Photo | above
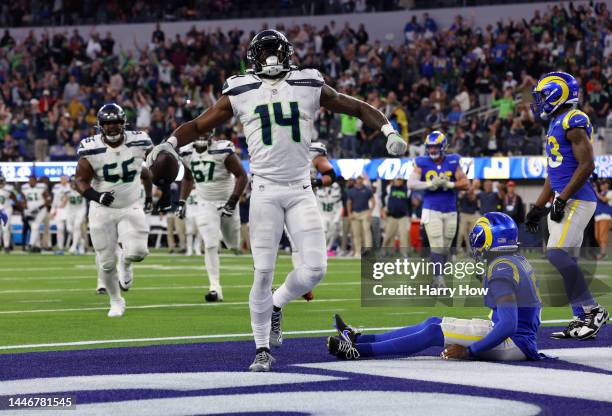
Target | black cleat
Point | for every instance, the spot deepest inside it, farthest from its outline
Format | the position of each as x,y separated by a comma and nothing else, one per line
342,349
263,361
101,291
213,296
593,322
572,330
347,332
276,330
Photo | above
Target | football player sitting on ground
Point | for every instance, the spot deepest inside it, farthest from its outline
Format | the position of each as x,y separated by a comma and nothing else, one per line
441,176
219,179
512,294
109,164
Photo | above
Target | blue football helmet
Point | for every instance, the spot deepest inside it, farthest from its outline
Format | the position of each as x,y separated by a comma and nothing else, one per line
436,140
494,231
552,91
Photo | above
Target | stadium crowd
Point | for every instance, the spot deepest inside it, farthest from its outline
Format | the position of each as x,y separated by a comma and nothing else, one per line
52,85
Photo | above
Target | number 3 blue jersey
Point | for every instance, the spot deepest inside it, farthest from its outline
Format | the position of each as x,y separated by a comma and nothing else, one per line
561,160
439,200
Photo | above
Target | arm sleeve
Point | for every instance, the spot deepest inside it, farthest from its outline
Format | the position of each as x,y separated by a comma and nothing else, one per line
415,184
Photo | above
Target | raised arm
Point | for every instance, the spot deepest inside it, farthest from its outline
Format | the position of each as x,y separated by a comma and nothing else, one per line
370,116
187,132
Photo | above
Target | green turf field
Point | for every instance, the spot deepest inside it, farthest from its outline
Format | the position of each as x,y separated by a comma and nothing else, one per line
49,299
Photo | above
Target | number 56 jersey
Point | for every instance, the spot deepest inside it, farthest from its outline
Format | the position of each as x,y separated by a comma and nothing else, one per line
213,182
277,116
117,168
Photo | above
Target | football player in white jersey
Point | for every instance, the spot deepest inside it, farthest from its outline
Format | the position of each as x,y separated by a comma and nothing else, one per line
75,207
58,210
36,199
7,200
276,104
191,227
219,179
108,172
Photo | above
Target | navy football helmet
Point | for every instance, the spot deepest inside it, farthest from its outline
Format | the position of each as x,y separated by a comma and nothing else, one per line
111,122
269,53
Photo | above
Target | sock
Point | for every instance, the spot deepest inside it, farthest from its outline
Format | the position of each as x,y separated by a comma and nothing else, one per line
197,247
438,260
211,257
574,281
110,280
398,333
60,237
298,282
189,243
430,336
260,305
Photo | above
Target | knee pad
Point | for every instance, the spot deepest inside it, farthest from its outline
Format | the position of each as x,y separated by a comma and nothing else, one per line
108,264
315,274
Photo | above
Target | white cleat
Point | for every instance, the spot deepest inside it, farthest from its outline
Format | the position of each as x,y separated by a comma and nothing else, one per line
263,362
438,282
125,276
117,308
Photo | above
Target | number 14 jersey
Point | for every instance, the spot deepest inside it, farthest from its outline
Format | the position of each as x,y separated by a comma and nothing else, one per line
277,117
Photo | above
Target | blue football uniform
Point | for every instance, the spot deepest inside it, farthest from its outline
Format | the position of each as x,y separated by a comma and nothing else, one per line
516,270
561,160
439,200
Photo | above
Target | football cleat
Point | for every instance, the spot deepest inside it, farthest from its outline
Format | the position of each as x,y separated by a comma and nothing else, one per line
213,296
342,349
101,291
571,331
593,322
438,282
276,330
347,332
263,362
117,308
308,296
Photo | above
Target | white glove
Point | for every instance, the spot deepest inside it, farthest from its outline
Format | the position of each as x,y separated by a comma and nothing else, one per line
162,147
434,184
396,145
446,183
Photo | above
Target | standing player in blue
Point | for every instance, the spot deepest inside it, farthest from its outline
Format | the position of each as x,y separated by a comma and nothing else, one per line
440,175
570,164
512,294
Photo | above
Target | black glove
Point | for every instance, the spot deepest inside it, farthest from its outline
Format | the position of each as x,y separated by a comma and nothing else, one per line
148,206
107,198
181,209
227,210
558,209
532,221
164,203
316,183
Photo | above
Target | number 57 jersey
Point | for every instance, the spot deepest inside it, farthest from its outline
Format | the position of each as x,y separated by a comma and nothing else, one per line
117,168
277,116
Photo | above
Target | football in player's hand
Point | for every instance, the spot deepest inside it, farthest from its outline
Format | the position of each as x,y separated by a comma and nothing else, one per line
164,169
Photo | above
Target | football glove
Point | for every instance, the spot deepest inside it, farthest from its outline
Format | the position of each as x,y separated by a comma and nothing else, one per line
558,209
445,182
181,209
532,220
107,198
162,147
396,145
148,206
228,209
3,217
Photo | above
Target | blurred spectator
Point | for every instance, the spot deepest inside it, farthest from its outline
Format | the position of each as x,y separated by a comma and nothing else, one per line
488,200
468,214
397,216
360,203
513,203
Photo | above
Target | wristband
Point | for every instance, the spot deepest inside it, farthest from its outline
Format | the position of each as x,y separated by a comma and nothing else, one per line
181,202
233,200
92,194
387,129
173,141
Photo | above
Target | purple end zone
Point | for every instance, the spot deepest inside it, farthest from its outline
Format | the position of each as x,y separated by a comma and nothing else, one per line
236,356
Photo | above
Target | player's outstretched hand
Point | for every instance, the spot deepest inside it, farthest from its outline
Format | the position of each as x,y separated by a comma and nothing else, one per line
532,220
148,206
162,147
3,217
181,209
107,198
396,145
228,209
455,352
558,209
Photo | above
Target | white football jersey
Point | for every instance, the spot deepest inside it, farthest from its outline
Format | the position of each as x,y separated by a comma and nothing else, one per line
58,192
34,196
277,117
330,199
5,196
76,201
213,182
117,168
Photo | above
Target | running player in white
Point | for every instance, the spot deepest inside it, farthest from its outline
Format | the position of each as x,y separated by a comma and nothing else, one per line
108,172
276,103
219,179
37,199
58,211
7,200
191,214
75,207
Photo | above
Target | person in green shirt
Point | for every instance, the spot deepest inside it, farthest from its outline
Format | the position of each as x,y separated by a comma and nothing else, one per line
349,127
506,104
